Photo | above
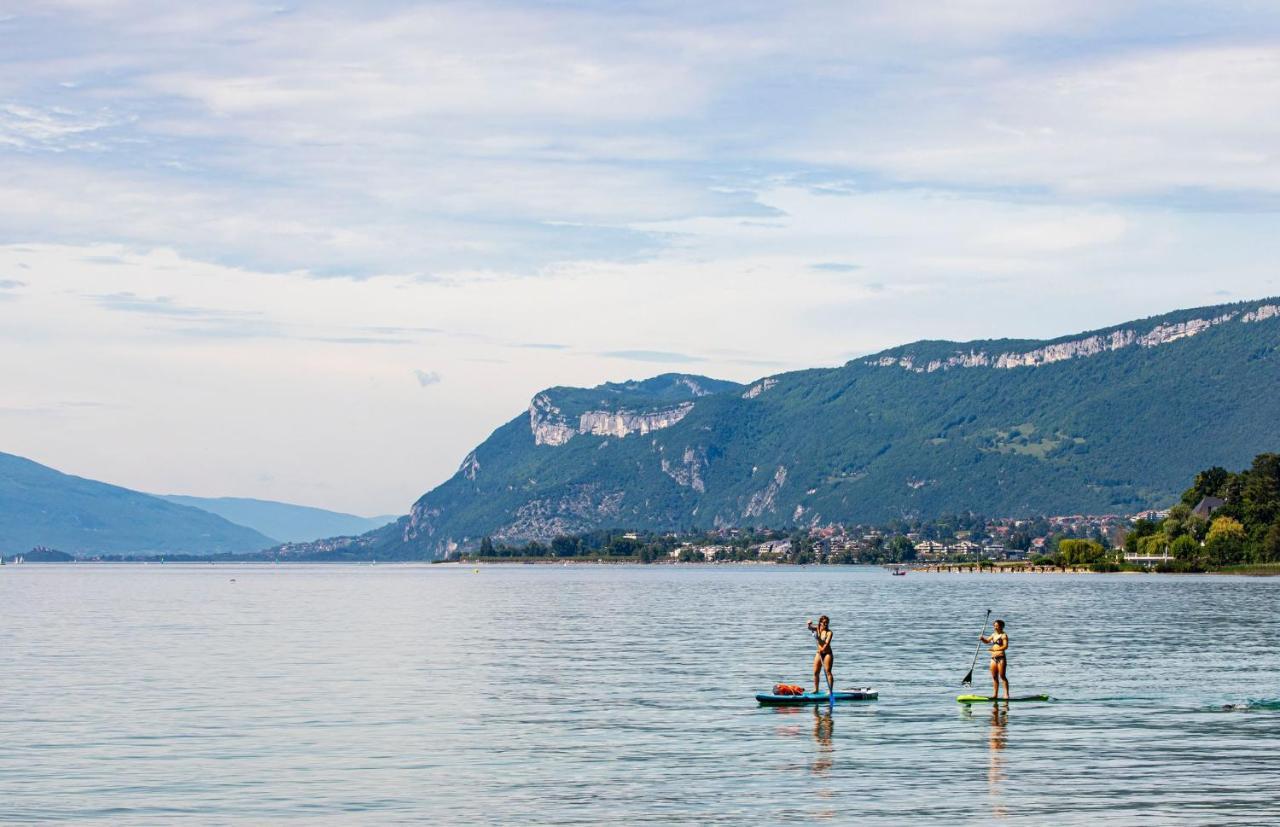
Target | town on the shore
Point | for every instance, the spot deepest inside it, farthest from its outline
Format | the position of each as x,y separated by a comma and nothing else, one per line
1224,522
1084,540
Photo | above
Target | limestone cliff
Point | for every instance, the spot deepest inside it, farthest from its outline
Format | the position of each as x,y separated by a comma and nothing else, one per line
1075,348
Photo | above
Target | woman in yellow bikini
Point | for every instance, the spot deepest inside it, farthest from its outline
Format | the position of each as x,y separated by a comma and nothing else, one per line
825,658
999,660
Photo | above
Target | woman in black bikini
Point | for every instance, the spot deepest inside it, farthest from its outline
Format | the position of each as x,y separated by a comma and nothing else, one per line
825,658
999,662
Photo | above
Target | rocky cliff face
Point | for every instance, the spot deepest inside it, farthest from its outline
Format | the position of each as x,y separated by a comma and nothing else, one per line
550,426
1077,348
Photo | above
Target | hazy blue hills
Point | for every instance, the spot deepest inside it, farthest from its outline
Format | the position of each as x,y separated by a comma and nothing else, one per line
285,522
43,507
1113,420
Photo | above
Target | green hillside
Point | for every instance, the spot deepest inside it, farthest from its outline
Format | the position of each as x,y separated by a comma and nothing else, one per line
1114,420
43,507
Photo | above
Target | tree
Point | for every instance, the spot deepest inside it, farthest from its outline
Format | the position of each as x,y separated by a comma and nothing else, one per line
1081,552
564,546
1185,548
1261,492
1209,483
486,547
902,550
1224,545
1269,551
624,547
1141,529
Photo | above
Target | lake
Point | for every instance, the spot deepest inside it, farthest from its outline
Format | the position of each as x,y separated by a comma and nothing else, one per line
585,694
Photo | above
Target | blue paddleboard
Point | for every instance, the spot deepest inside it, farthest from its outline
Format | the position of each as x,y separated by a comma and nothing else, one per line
867,694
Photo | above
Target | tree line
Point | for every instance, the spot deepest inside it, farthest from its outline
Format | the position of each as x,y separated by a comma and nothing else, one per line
1244,528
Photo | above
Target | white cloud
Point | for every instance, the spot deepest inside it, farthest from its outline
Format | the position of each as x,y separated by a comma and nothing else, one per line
532,196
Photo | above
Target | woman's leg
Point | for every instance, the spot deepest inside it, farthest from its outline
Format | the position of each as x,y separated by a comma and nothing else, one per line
830,664
817,671
995,678
1004,675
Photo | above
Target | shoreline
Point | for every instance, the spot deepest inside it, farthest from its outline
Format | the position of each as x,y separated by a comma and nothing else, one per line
1244,570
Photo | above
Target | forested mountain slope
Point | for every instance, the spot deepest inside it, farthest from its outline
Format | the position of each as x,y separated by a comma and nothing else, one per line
1113,420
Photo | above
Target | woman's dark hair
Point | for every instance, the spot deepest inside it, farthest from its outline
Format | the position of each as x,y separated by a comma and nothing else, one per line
999,623
824,619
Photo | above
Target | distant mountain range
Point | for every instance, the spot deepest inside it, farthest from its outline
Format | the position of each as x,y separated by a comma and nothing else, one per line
1112,420
283,521
43,507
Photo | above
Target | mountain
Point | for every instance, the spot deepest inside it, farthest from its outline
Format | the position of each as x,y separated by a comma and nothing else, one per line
284,521
1112,420
43,507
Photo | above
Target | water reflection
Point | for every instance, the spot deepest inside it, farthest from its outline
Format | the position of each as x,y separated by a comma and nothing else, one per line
824,727
996,741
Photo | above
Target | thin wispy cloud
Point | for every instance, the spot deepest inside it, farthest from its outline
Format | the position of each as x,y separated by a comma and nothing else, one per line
655,356
126,302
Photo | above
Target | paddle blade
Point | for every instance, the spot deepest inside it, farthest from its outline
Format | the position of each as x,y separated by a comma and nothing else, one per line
968,678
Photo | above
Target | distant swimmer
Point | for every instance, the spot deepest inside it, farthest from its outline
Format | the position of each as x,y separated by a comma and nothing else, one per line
825,658
999,659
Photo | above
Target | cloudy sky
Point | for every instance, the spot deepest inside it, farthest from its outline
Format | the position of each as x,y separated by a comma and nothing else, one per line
317,251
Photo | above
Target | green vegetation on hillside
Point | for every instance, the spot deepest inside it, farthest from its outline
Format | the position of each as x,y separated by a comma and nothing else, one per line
1243,530
1109,430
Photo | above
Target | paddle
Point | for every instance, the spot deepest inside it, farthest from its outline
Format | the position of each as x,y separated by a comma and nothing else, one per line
968,678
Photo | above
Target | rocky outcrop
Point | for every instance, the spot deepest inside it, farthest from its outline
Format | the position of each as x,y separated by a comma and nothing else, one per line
688,472
546,422
1073,349
545,518
622,423
1266,311
766,499
470,466
549,426
759,388
694,386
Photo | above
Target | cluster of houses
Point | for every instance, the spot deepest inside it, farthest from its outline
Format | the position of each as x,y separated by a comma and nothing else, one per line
990,550
999,539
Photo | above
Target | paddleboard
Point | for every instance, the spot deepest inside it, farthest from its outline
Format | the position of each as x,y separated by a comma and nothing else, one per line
980,699
867,694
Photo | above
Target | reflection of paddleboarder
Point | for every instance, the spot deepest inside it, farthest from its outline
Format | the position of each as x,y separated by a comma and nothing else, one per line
999,661
825,658
995,762
824,727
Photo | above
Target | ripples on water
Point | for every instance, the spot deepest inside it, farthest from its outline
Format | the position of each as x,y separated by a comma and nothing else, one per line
585,694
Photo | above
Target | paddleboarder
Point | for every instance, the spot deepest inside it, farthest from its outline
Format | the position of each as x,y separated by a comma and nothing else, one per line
999,660
825,658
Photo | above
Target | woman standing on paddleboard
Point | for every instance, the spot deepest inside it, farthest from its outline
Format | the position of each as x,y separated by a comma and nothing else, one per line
825,658
999,662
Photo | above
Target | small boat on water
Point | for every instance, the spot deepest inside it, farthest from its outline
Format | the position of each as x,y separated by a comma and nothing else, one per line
899,572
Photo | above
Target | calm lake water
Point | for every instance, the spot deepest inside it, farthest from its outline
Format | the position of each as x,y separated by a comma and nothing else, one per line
586,694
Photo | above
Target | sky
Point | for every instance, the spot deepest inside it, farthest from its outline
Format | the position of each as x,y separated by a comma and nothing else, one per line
316,252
